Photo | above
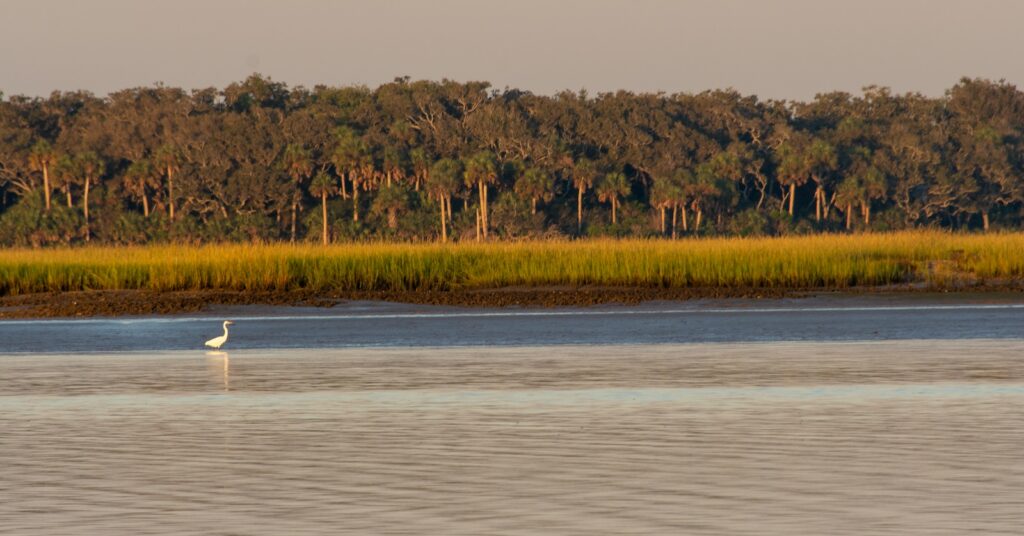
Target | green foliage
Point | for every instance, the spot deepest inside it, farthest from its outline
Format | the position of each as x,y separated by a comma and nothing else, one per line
513,219
27,224
244,162
445,176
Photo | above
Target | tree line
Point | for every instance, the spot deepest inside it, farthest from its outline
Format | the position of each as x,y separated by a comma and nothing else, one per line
426,160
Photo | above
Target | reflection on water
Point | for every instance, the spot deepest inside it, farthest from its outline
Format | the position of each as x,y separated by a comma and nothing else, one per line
913,437
219,365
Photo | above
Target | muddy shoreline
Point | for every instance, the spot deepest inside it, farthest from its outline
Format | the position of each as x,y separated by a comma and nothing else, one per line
146,302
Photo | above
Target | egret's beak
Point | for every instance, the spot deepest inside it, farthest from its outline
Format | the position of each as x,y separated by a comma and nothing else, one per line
230,323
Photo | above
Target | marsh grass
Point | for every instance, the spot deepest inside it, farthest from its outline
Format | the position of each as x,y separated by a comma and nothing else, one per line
936,259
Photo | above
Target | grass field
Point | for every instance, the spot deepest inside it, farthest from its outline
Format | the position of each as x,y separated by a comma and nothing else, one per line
936,259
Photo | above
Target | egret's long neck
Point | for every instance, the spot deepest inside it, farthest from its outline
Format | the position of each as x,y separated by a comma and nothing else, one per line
225,331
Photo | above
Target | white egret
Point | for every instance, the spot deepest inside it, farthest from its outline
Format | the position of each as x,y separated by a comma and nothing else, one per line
216,342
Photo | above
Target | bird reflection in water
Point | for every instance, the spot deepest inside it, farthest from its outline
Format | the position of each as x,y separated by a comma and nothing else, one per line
223,369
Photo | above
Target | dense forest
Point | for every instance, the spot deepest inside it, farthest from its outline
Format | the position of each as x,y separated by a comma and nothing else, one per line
424,161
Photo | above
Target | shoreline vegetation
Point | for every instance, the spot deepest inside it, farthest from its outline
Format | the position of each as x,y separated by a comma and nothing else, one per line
167,279
419,161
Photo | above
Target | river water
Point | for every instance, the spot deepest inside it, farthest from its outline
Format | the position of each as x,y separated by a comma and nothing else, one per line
862,417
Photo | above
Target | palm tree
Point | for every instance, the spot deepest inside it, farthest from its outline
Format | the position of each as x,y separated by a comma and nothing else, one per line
421,162
584,172
664,194
481,170
611,188
442,181
352,158
323,186
679,196
535,184
340,159
168,159
361,176
703,188
91,167
793,168
137,179
821,160
390,201
848,192
65,174
394,162
298,165
42,157
875,187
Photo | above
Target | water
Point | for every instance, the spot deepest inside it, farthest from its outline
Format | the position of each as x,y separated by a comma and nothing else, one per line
366,324
800,433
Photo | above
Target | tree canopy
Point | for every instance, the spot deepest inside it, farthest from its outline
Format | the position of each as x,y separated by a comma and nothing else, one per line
251,161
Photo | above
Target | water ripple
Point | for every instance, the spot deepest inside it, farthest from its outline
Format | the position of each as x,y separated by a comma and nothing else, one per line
909,437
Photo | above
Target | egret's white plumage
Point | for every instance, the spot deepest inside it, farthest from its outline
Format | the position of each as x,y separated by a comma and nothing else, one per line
216,342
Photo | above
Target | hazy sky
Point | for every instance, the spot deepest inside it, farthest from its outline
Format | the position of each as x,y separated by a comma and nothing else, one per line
774,48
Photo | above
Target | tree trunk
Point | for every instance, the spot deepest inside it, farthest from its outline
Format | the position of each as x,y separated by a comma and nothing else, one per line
444,222
579,210
533,201
295,217
478,225
682,213
67,191
170,192
344,190
696,224
355,202
449,203
85,208
792,196
849,214
614,222
662,220
483,208
675,210
817,204
323,205
145,204
46,185
984,220
867,214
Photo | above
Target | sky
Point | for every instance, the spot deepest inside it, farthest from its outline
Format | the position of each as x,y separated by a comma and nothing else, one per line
779,49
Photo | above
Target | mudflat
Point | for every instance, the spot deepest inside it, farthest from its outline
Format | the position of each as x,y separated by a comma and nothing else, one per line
147,302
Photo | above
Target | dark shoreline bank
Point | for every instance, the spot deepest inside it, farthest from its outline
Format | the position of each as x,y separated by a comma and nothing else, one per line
145,302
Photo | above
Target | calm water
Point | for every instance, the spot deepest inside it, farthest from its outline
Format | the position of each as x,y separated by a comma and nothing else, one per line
768,435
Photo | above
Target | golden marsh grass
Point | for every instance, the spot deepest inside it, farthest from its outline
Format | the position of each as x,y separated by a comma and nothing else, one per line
821,261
